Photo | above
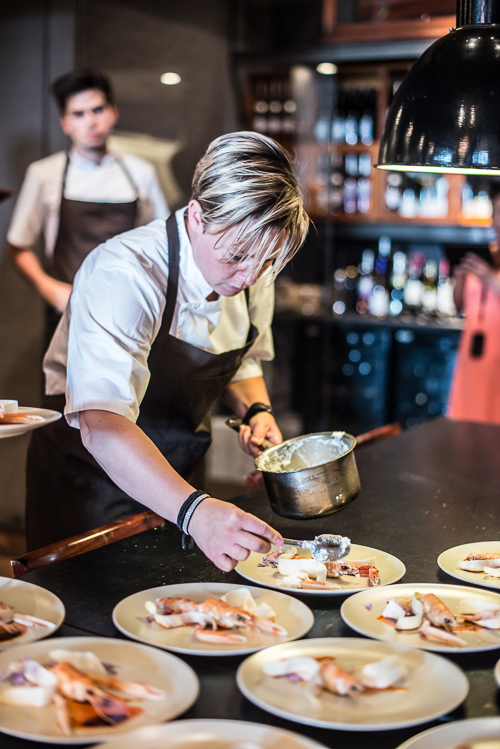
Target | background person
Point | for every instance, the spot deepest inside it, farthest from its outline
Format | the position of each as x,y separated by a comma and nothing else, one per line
78,199
161,322
475,394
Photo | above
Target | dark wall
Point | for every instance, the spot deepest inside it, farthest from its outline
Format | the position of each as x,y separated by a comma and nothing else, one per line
135,43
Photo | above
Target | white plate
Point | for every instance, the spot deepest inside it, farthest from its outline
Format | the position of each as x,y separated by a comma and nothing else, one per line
458,734
133,662
31,599
390,568
130,615
365,620
14,430
448,561
434,686
212,734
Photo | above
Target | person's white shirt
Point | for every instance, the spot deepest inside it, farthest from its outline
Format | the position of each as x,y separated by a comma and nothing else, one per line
36,211
98,355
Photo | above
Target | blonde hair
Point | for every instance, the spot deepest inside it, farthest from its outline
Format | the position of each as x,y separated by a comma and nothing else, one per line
248,180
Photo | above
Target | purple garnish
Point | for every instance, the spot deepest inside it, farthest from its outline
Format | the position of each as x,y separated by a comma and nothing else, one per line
294,678
369,606
110,668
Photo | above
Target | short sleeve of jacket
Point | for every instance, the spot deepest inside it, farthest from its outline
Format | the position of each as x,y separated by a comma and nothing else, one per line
28,217
116,311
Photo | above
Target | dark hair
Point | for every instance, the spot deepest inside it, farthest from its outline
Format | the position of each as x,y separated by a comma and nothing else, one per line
76,82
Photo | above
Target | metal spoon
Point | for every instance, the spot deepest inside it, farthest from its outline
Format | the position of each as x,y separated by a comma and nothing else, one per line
328,547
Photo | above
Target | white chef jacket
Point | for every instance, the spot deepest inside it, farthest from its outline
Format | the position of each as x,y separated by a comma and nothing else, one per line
37,206
98,355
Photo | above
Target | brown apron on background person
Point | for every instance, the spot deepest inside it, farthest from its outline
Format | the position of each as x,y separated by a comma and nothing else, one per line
68,492
82,226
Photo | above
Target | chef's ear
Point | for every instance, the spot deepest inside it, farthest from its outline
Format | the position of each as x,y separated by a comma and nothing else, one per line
195,217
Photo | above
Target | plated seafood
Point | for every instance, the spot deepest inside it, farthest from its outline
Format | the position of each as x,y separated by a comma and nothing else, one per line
430,616
79,686
14,623
298,571
10,414
328,674
216,618
484,562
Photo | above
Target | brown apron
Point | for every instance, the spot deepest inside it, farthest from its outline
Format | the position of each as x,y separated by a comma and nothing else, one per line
68,492
82,226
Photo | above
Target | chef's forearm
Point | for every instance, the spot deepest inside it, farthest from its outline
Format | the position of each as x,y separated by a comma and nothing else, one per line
133,462
28,264
241,394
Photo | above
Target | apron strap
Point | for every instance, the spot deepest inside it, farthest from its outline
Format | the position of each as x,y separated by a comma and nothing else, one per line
173,249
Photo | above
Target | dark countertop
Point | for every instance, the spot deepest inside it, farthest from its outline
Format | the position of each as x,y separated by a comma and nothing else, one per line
430,488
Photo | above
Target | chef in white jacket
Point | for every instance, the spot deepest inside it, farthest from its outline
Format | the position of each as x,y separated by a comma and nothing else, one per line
162,321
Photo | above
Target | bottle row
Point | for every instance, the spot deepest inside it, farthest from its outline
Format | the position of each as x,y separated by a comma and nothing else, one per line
274,109
352,121
387,283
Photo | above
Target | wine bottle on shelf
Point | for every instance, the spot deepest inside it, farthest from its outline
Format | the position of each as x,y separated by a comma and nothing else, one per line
366,120
378,304
338,120
397,282
430,283
275,108
444,299
364,194
288,123
365,280
322,128
261,107
352,121
350,195
412,294
337,184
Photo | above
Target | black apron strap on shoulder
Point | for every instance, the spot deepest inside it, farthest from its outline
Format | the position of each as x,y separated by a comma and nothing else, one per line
173,274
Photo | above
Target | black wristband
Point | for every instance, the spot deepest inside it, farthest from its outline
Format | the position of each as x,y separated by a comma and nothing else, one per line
256,408
187,509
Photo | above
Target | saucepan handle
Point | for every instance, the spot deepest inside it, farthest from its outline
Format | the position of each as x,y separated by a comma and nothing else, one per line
235,424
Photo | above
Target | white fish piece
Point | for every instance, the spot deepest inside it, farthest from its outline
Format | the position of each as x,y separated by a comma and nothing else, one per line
241,598
393,610
82,660
416,605
406,623
37,674
475,606
492,571
9,406
472,565
311,567
382,674
487,620
304,666
289,553
27,696
39,693
294,581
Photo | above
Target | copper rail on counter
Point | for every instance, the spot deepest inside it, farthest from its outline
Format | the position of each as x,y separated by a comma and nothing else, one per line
120,529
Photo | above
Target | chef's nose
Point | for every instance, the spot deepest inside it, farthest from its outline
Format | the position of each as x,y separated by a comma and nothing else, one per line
250,276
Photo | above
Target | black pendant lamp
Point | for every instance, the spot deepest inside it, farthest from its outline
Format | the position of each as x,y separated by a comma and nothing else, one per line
445,116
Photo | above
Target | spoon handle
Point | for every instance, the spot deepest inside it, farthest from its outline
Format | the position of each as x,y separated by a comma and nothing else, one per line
293,542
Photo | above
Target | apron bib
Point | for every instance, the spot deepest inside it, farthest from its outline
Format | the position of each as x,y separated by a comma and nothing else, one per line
68,492
84,225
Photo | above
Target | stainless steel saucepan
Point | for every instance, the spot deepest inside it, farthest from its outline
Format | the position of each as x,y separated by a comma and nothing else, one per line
315,474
